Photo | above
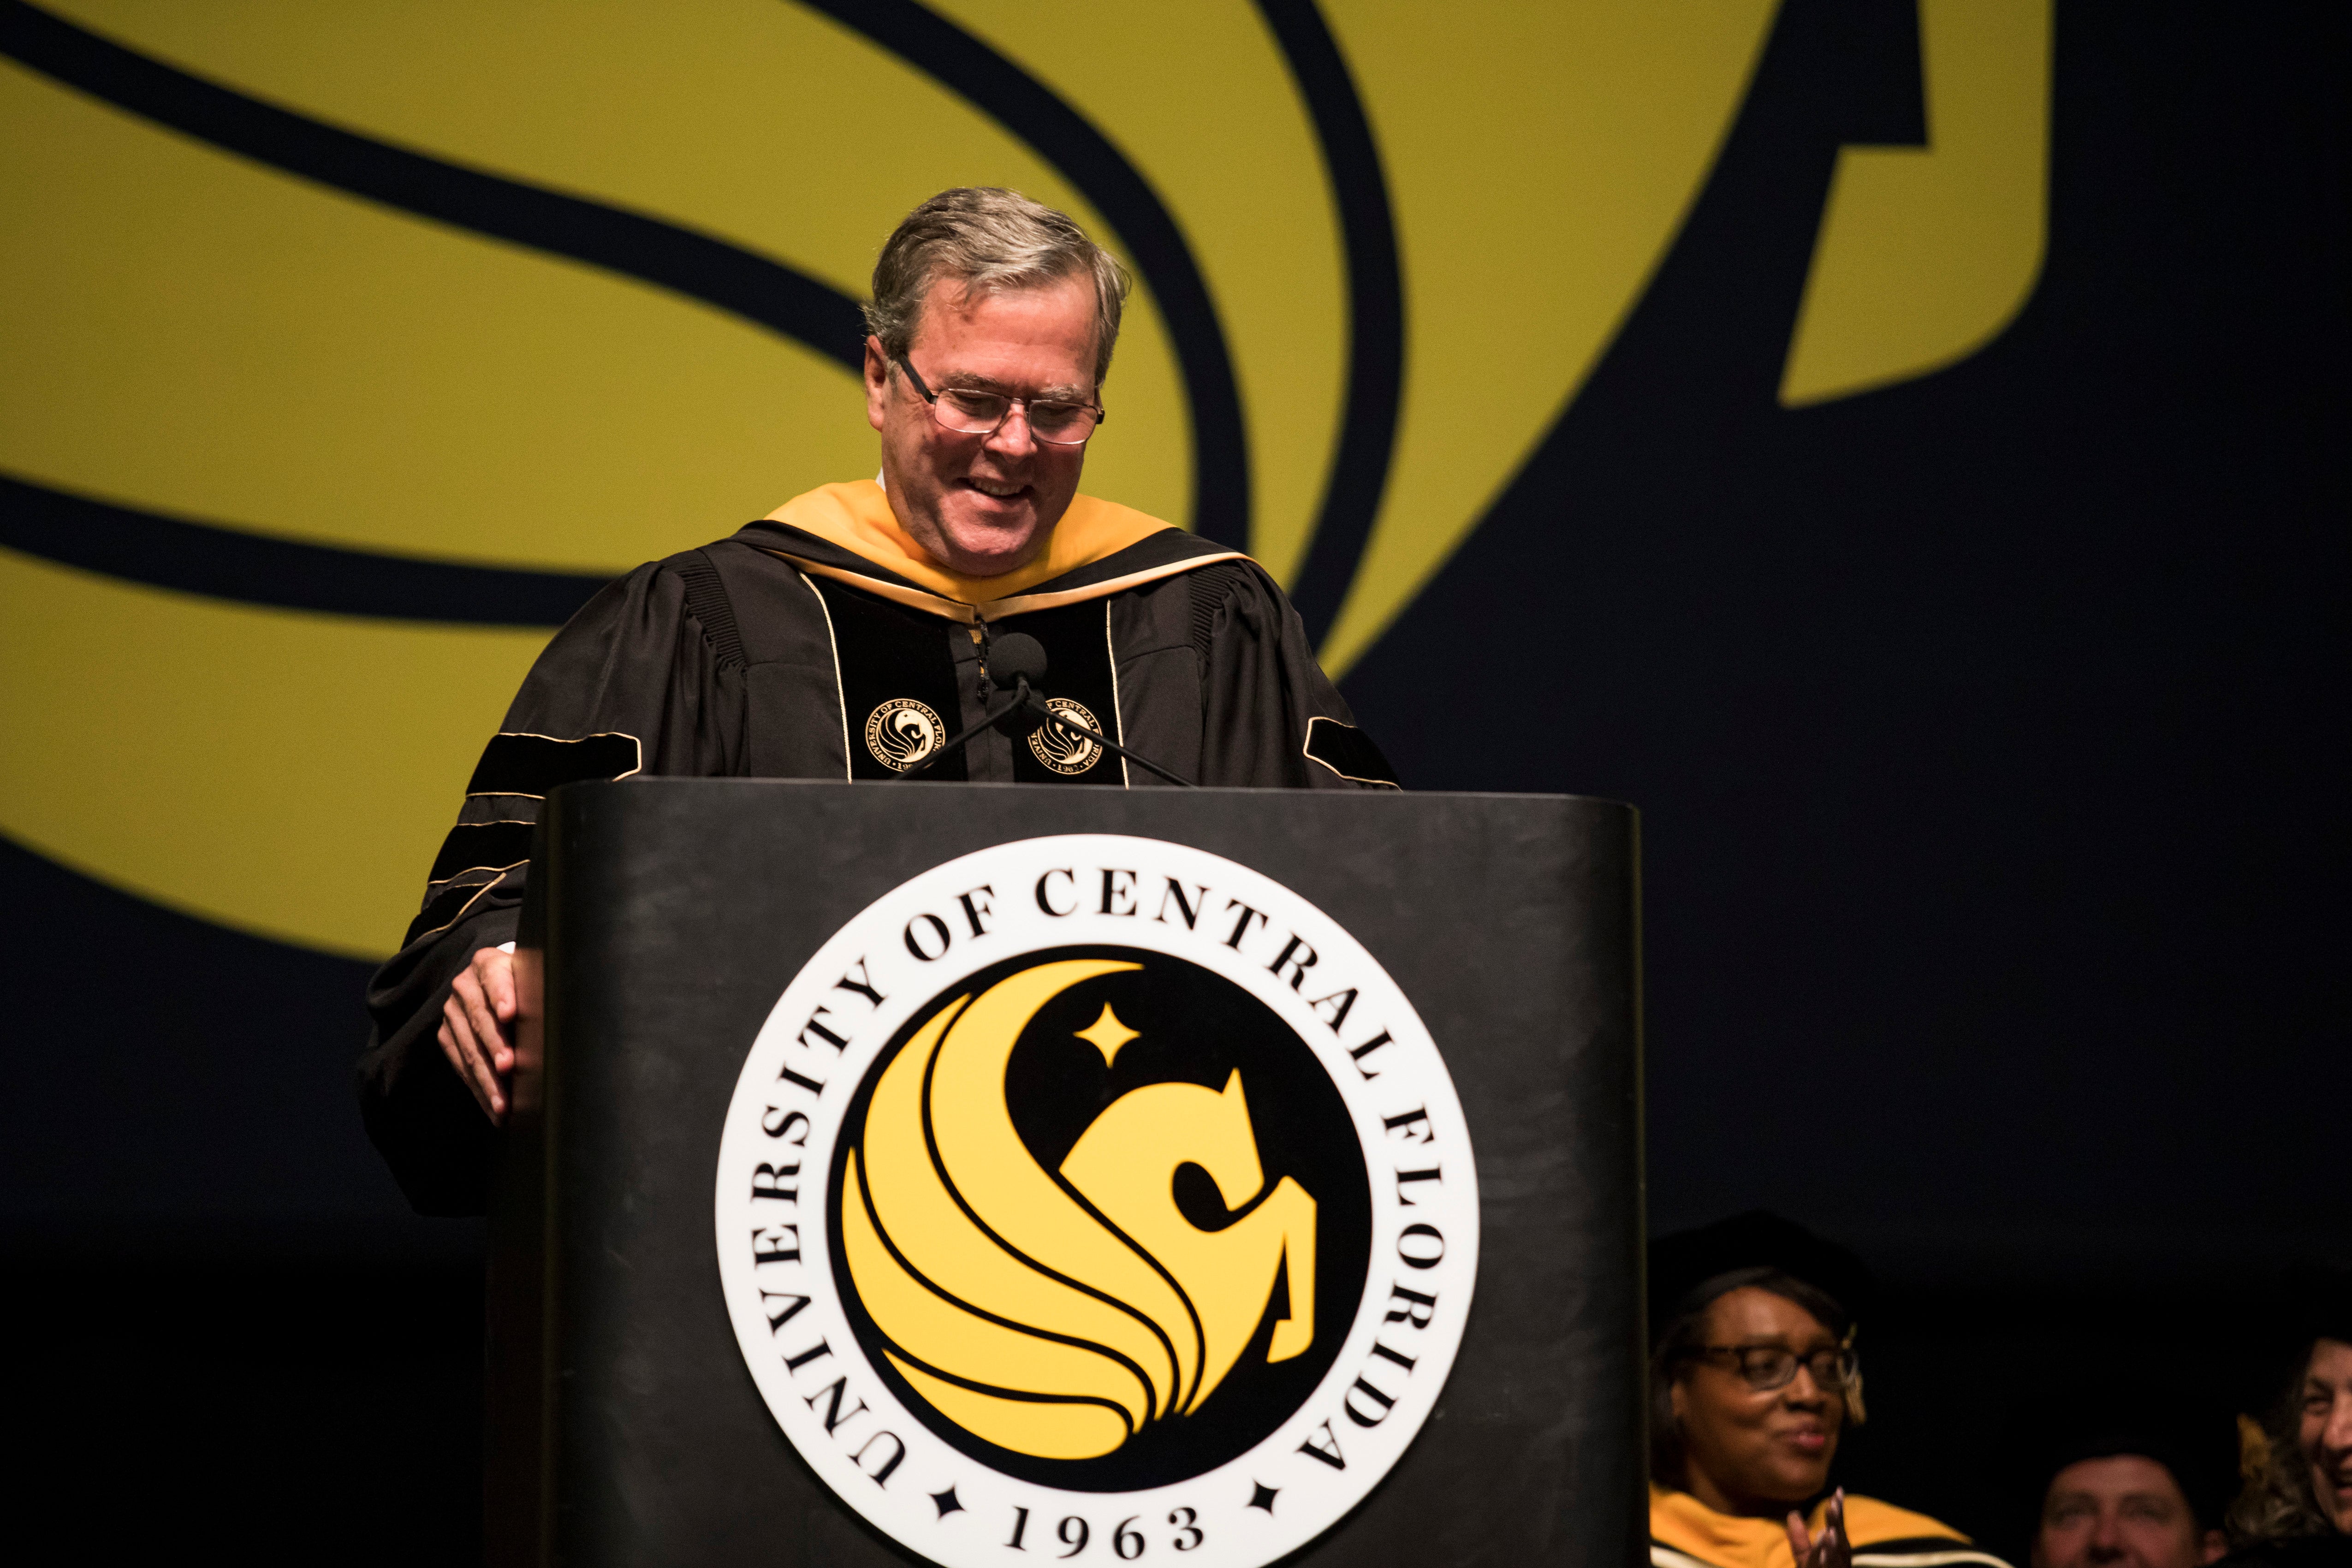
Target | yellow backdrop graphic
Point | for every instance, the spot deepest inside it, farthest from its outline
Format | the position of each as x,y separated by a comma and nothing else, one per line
198,334
1926,252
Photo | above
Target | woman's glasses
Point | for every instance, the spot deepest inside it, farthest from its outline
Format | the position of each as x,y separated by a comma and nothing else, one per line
1767,1367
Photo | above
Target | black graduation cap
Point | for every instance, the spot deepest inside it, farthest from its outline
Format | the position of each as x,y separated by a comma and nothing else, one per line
2319,1300
1681,1263
2195,1440
2310,1302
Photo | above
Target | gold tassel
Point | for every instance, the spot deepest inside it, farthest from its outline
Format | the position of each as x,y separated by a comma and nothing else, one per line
2254,1450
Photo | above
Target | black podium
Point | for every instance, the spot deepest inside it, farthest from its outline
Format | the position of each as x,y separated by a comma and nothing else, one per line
1009,1173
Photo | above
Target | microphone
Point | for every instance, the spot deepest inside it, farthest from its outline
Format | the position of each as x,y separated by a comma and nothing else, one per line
1019,658
1015,660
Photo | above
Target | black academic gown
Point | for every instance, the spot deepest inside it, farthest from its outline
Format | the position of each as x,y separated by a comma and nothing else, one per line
769,655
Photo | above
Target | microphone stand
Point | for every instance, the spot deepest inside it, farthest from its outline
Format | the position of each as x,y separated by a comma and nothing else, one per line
1105,742
964,735
1025,702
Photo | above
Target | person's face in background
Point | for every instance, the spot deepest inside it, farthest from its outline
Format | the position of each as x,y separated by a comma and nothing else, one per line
2325,1434
1751,1451
2123,1510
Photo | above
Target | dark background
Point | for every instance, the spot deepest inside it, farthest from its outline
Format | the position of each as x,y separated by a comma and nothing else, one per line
1988,738
1988,731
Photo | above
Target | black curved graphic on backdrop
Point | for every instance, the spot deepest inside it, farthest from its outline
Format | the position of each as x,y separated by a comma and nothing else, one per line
1031,110
1691,378
1360,465
1620,518
228,564
231,565
753,287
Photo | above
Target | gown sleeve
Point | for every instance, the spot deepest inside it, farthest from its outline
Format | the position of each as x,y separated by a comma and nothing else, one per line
632,685
1271,719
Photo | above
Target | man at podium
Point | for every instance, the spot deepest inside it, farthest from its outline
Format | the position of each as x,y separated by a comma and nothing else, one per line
849,634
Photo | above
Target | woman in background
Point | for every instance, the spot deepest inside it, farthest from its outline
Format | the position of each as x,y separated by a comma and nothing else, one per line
1753,1380
2296,1510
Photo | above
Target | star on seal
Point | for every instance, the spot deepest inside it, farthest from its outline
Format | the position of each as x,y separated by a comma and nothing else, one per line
1107,1034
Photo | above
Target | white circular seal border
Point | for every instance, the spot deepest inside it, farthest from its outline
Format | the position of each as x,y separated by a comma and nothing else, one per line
899,954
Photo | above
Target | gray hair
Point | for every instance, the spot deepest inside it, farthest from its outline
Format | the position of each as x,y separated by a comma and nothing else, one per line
989,240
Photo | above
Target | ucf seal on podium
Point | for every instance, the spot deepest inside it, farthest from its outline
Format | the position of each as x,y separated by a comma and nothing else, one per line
1096,1196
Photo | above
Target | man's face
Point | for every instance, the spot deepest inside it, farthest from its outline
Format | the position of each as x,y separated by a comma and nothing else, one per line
2125,1511
983,505
2325,1432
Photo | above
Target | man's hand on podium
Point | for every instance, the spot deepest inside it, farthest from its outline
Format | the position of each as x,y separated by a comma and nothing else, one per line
478,1027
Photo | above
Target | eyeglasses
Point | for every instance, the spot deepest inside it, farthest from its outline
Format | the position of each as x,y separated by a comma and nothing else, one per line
1767,1367
969,413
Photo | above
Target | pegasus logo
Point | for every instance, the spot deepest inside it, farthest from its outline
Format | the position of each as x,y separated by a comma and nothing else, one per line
1059,1313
